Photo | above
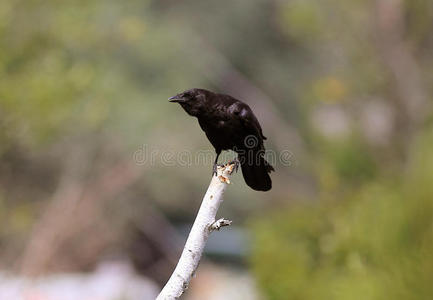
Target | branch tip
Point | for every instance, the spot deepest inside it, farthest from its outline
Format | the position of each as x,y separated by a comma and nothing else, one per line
225,171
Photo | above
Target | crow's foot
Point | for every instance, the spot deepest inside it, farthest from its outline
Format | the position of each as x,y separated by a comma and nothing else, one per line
235,162
214,169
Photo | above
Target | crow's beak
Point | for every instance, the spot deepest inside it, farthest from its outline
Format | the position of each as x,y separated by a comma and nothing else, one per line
177,99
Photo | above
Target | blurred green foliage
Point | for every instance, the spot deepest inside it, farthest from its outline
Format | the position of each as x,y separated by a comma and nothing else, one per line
372,242
368,232
80,75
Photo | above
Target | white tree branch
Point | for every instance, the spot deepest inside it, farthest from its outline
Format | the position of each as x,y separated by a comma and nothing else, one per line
203,225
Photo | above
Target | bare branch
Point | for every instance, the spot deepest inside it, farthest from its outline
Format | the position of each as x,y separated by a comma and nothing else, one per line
203,225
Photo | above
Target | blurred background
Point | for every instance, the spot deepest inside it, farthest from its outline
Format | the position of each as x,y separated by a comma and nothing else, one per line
99,181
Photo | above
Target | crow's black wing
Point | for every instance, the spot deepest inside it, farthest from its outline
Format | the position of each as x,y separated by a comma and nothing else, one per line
246,117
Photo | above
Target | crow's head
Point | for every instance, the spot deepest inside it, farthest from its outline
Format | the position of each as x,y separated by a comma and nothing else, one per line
193,101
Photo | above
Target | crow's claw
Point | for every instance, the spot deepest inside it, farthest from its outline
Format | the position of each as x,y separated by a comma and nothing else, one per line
214,170
236,163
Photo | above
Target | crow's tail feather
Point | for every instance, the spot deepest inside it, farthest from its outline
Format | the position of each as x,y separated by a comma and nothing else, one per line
255,170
